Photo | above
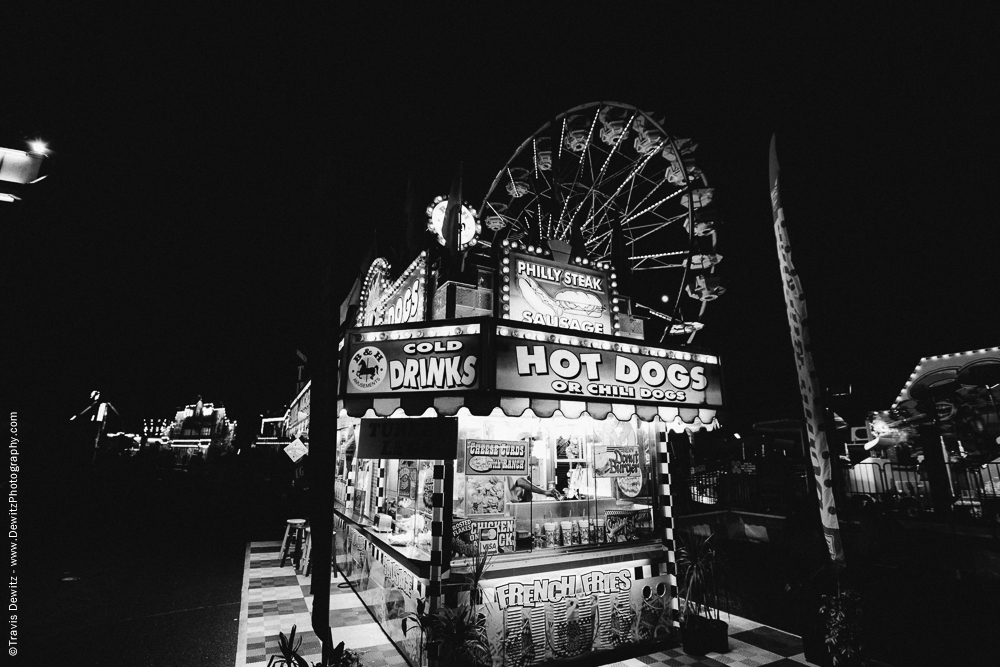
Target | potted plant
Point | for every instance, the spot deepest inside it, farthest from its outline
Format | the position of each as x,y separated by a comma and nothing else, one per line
458,633
701,576
289,649
342,657
841,613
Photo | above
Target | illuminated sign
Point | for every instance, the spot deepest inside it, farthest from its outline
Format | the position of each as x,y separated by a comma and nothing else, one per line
470,225
492,457
582,373
546,292
401,366
396,303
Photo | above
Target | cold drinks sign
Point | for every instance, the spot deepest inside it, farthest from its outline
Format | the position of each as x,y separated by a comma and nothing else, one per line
401,366
588,373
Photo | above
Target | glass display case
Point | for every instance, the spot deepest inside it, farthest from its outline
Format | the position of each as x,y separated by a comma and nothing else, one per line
409,487
527,484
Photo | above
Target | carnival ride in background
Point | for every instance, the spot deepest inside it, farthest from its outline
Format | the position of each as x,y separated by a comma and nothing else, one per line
607,179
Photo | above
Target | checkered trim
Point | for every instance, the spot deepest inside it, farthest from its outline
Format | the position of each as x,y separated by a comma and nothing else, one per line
380,499
666,516
437,535
653,569
352,474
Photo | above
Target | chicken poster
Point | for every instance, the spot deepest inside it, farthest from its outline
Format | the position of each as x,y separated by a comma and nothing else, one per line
559,295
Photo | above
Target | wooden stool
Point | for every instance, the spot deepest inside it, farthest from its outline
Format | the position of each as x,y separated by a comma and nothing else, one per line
294,532
304,562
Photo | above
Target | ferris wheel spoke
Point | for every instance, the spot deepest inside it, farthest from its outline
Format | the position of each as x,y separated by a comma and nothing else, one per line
651,207
631,177
663,222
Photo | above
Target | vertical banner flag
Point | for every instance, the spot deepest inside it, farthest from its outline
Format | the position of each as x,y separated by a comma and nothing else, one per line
795,303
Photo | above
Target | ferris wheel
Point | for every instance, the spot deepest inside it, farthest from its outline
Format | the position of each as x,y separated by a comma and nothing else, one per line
610,180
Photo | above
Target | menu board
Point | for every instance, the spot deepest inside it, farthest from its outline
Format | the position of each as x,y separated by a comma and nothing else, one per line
610,461
408,479
496,457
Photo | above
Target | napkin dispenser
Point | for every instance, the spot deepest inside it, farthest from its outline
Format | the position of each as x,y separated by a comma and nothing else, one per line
383,523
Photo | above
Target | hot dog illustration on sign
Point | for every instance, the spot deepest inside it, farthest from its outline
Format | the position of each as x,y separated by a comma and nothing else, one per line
544,292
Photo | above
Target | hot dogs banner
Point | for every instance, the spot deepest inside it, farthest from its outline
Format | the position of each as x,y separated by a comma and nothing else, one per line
383,302
587,373
545,292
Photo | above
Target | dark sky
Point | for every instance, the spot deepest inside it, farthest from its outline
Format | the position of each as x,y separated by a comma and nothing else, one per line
201,157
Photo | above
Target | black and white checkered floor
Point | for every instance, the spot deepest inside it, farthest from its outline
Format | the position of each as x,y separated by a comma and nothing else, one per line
275,598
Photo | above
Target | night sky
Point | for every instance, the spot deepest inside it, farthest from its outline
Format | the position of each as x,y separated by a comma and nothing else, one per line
201,157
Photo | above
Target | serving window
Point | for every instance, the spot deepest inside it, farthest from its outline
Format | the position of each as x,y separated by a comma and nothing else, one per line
528,484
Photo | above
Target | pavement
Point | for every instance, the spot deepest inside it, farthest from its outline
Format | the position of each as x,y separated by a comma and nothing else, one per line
275,598
148,569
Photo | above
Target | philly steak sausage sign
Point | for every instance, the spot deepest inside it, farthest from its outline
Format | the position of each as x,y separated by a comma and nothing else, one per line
558,295
589,373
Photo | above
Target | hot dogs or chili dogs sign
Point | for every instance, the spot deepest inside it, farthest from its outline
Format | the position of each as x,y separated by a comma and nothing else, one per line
542,291
531,362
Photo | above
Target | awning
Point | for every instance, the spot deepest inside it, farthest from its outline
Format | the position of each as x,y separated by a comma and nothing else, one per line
677,419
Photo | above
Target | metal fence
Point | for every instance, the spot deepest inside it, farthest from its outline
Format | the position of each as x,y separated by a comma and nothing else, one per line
771,491
974,489
861,488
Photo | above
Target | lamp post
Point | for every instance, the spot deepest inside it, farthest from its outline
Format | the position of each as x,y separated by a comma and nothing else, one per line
20,168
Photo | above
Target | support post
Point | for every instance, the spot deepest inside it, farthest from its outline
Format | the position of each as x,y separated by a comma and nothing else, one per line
321,464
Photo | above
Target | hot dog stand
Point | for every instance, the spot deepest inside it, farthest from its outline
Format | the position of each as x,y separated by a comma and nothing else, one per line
513,412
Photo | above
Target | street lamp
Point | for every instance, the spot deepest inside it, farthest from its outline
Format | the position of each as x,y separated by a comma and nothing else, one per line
20,168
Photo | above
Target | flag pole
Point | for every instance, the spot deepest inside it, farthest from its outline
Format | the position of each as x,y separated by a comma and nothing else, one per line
816,429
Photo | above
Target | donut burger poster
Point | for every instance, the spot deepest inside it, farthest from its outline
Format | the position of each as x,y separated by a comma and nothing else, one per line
546,292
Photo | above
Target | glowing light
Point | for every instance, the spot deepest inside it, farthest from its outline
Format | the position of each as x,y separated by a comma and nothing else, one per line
38,146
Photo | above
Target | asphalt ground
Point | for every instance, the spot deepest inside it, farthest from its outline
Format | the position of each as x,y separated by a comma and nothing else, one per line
124,564
133,566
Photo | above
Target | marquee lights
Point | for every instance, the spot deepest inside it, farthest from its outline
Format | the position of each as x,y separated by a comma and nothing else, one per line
918,371
406,334
512,332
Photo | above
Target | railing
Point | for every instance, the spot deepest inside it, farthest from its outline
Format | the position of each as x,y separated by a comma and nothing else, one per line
974,491
767,491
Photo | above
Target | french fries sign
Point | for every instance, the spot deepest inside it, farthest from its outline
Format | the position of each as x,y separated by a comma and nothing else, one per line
558,295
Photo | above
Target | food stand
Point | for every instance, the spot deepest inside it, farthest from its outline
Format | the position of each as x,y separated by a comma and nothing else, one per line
531,429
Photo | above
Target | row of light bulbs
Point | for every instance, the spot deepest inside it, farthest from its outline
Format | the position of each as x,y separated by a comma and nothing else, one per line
606,345
405,334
